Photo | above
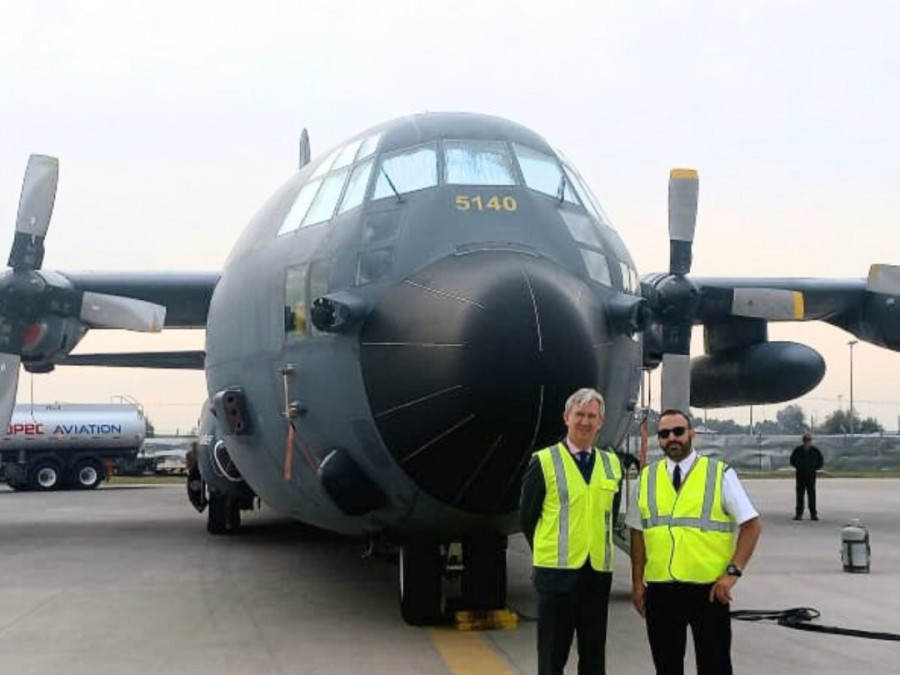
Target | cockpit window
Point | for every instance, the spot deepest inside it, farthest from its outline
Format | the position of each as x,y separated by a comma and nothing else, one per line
325,166
597,267
301,205
368,147
542,173
295,301
406,171
326,199
477,163
585,195
345,158
356,188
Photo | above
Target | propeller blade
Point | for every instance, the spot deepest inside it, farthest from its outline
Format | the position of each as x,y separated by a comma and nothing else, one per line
771,304
884,279
35,208
9,383
113,311
676,382
684,187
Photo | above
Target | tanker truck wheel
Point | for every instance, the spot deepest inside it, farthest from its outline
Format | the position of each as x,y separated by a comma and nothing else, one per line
45,476
88,474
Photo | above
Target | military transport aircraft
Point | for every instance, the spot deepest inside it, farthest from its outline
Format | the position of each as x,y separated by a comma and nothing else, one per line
397,329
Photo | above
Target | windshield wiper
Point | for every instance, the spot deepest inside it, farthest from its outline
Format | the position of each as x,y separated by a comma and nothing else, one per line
391,183
561,190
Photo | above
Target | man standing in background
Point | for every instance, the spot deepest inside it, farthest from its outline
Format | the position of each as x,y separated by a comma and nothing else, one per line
806,460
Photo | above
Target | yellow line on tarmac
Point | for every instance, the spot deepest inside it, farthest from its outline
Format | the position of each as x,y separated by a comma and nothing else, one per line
468,653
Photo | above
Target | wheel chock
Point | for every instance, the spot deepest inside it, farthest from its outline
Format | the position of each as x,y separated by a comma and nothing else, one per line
485,619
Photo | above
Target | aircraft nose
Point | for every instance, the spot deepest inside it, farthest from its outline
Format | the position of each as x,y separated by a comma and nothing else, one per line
467,365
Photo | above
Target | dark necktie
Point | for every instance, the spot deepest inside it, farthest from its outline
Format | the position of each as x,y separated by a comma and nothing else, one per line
676,477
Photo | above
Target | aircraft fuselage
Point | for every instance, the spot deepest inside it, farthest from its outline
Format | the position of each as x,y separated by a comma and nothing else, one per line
481,307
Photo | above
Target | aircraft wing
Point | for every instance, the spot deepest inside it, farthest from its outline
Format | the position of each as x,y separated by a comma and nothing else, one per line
740,366
184,360
867,308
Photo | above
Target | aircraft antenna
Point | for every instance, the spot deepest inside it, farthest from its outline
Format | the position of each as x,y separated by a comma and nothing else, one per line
305,153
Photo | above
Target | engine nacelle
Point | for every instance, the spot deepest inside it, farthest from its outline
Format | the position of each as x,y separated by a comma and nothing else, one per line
880,321
48,341
766,372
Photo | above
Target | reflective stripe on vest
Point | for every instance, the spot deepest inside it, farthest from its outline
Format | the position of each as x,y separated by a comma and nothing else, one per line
688,535
571,503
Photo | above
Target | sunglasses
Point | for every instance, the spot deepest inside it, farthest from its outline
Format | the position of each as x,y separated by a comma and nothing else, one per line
664,433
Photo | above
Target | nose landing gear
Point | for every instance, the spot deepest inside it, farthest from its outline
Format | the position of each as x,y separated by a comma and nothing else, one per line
429,570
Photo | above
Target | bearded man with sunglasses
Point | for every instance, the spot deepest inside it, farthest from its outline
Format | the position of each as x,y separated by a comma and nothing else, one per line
693,530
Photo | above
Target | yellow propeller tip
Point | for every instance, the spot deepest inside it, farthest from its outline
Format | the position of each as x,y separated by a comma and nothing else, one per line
683,174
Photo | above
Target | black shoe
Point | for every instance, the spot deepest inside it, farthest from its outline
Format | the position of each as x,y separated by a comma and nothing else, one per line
798,517
814,518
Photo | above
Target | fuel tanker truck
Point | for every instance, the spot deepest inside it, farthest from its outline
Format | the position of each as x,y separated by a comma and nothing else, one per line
47,447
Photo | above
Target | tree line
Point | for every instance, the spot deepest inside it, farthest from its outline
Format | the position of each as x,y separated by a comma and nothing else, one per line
790,420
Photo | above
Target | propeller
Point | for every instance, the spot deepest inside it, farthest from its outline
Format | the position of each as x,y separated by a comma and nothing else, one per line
31,298
676,298
884,279
675,302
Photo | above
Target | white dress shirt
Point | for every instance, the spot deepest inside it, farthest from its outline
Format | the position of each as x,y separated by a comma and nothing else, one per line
735,501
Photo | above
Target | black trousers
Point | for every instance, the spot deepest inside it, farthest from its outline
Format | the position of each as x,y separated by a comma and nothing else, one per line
562,614
670,609
807,486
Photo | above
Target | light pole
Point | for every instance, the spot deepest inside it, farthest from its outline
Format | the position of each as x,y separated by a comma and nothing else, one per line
850,344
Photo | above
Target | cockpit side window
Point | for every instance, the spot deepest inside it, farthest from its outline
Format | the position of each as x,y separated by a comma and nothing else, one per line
301,205
326,199
319,284
584,194
295,301
543,174
597,266
406,171
356,188
477,163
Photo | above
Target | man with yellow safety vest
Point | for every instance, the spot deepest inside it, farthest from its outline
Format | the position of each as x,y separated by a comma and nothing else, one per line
567,516
693,532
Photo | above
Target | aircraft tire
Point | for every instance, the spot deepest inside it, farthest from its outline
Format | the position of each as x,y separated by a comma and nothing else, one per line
234,514
421,592
484,573
223,515
88,474
45,476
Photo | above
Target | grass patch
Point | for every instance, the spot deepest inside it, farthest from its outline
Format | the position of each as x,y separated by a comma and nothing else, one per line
147,480
823,475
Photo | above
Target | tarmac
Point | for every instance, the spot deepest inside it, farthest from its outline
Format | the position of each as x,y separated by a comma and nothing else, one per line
125,580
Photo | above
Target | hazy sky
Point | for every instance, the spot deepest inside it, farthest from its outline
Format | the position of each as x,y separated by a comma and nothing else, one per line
173,122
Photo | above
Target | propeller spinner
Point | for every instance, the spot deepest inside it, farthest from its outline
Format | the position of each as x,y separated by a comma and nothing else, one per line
31,297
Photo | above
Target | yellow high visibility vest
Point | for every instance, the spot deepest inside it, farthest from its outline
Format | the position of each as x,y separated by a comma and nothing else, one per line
577,518
687,535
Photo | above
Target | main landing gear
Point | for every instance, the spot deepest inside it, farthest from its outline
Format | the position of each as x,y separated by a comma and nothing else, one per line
429,572
224,514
